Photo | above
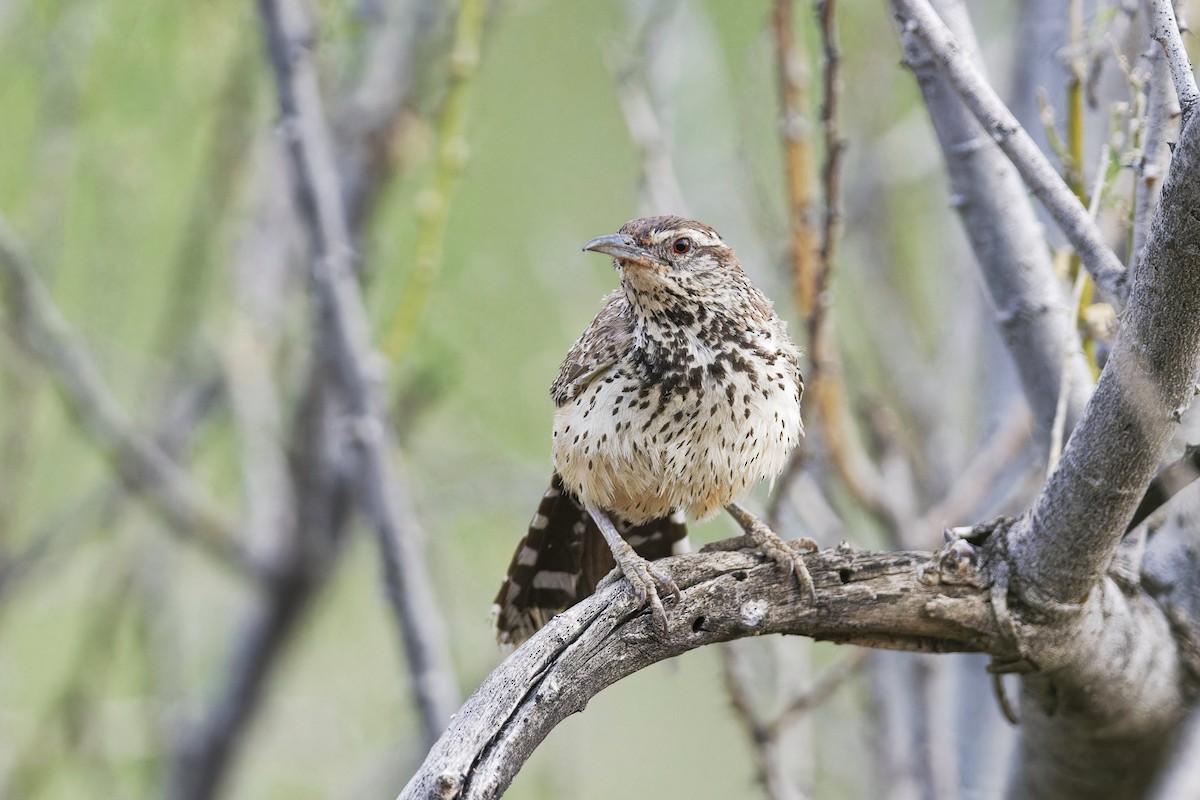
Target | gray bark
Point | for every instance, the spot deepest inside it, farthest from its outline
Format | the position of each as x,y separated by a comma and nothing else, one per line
917,17
1032,309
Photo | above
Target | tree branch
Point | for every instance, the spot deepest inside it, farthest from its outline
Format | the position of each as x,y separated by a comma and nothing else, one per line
907,600
346,344
142,465
791,68
1162,118
1031,306
917,18
1166,33
1146,385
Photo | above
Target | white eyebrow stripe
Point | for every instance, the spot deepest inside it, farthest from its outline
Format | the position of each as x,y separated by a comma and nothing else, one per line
702,238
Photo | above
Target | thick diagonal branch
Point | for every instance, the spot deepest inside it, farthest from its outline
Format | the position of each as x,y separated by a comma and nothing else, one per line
1146,385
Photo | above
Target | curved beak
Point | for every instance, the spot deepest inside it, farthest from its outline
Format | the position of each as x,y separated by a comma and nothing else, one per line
620,247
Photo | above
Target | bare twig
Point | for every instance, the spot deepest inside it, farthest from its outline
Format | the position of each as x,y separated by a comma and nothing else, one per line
826,683
659,184
764,743
830,169
791,63
145,469
918,18
976,479
1166,33
661,191
1170,481
376,113
1058,431
182,413
1107,44
812,255
346,345
1161,125
765,732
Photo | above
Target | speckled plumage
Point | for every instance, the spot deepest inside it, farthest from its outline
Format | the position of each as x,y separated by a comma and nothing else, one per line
680,396
684,391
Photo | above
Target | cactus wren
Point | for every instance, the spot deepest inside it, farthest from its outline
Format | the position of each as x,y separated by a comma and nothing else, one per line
681,395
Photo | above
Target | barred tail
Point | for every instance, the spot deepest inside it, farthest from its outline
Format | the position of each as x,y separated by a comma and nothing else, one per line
563,556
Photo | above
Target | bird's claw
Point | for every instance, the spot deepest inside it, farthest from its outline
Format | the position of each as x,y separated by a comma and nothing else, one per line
782,553
649,584
785,555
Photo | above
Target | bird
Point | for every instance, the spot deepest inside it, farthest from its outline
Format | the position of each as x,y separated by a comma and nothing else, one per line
681,395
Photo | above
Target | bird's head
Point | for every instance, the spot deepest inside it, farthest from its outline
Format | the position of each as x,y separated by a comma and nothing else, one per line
666,260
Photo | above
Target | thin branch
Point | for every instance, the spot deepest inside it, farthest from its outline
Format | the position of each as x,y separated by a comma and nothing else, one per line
830,171
918,18
1078,301
1161,125
765,732
979,476
1166,33
1170,481
849,459
346,344
370,120
660,187
831,678
763,742
142,465
812,255
791,67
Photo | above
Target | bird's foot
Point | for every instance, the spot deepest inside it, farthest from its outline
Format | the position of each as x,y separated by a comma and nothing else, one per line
782,553
649,582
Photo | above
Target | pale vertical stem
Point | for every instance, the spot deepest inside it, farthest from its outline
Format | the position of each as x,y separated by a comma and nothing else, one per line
344,342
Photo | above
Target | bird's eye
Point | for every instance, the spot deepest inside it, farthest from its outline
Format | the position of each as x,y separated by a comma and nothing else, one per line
682,245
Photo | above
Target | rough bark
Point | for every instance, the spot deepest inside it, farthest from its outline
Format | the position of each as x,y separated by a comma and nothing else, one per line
904,600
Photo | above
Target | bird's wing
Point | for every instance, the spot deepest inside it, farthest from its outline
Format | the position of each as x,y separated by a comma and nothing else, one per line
599,347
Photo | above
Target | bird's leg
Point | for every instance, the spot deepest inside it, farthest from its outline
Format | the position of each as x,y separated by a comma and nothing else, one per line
775,548
645,578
